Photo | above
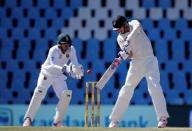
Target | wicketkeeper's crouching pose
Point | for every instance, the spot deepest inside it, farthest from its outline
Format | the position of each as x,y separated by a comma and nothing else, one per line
135,45
54,72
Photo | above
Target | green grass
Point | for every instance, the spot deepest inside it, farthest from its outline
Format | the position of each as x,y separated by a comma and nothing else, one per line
17,128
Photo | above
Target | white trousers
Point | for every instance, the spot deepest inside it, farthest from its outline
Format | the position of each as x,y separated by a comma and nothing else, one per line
43,84
139,69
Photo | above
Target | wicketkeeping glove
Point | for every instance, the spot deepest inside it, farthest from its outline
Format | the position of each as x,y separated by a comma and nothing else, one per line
78,71
67,69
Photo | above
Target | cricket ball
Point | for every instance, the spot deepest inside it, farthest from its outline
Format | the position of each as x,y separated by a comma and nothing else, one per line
89,71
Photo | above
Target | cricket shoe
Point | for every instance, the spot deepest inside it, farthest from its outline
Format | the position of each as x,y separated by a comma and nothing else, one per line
27,122
113,124
58,124
162,122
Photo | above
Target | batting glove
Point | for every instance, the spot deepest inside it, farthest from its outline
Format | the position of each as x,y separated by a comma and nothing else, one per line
123,54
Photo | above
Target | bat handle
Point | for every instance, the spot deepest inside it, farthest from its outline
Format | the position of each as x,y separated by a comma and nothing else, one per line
116,62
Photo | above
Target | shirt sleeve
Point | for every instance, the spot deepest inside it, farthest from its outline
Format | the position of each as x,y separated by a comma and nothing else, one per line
52,58
73,57
136,25
120,42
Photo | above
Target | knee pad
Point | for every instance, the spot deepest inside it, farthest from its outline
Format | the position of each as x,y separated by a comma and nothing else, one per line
40,92
38,95
66,96
62,105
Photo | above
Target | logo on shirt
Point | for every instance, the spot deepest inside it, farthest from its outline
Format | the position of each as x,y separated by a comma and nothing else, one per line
52,58
67,55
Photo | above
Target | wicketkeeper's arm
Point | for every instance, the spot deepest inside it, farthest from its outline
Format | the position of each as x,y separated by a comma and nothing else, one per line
77,69
52,67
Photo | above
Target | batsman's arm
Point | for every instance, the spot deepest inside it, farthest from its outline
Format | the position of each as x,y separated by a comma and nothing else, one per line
136,26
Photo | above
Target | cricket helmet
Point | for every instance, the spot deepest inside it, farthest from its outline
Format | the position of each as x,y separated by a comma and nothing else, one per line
118,22
63,39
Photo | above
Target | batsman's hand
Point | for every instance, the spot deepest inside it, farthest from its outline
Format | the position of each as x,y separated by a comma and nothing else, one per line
123,54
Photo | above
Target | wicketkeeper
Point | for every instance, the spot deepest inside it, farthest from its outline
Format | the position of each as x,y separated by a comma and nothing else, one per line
60,63
136,46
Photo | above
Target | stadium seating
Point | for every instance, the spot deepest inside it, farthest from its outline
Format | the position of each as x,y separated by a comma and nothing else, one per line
29,28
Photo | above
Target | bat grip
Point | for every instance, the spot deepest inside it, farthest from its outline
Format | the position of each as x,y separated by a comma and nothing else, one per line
117,61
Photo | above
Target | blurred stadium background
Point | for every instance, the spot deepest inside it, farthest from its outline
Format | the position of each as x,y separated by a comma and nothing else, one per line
28,28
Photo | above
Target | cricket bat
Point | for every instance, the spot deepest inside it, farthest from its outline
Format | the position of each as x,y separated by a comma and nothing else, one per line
108,73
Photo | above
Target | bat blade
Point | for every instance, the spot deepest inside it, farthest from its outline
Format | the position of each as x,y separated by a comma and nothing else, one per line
108,73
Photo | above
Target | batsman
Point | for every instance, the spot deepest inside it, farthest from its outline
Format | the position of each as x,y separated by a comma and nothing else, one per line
136,46
60,63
